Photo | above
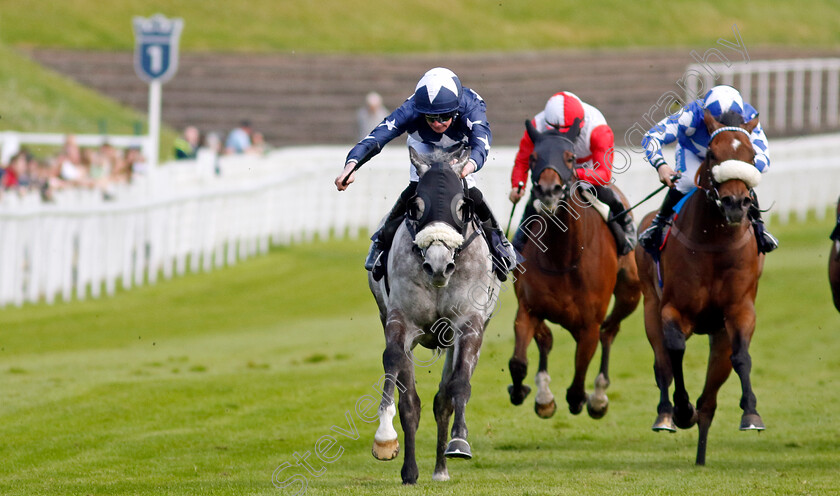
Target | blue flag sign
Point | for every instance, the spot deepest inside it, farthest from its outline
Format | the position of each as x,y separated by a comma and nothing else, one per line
156,47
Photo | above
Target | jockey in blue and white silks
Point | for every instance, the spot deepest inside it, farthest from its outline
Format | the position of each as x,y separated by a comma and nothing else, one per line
688,129
441,114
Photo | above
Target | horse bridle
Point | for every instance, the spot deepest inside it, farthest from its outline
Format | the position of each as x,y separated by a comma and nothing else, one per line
712,193
467,219
566,175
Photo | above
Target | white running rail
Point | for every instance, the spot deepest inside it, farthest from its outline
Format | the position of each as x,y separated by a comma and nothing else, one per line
183,216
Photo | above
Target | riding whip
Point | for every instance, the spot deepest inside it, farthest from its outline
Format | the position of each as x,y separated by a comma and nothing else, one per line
369,155
648,197
513,209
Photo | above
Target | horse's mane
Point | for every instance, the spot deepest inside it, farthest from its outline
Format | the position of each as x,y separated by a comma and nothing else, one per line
439,156
731,118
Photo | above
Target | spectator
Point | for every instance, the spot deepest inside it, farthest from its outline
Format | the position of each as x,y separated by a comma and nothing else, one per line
239,139
16,173
258,144
186,146
134,164
213,142
71,171
369,116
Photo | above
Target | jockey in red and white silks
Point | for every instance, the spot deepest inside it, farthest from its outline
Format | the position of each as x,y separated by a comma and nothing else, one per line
593,150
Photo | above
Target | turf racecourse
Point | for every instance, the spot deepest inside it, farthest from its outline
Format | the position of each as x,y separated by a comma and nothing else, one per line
207,383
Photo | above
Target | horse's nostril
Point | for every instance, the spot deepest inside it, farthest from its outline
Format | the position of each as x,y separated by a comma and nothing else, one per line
746,202
450,268
427,268
557,189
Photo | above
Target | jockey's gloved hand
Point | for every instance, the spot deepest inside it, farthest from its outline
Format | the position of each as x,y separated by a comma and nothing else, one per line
346,175
666,174
469,168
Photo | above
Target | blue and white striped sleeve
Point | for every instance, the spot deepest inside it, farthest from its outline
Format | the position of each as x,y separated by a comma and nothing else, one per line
762,152
663,133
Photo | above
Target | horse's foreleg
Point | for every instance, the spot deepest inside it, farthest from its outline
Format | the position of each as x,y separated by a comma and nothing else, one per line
661,366
523,327
587,343
443,412
740,327
718,370
544,403
685,415
399,371
465,358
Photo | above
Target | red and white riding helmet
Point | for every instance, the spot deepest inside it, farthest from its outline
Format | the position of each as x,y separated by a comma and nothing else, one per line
562,109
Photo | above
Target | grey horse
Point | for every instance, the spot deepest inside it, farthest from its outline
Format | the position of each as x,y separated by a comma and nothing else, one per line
439,292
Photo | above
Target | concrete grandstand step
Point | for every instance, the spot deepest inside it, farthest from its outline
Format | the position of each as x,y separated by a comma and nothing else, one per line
297,99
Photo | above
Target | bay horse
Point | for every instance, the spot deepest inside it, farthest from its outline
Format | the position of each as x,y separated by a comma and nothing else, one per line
570,272
834,262
440,291
709,266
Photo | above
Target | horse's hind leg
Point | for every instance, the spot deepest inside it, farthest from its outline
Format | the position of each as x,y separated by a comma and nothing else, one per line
443,412
685,415
468,346
523,327
718,370
661,365
544,403
587,343
740,328
627,295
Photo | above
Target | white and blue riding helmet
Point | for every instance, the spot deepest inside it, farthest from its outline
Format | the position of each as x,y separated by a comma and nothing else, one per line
437,92
722,99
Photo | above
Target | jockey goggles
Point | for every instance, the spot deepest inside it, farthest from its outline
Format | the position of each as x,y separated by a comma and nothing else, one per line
441,117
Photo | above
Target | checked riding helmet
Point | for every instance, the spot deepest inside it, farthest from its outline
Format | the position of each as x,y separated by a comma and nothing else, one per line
723,99
438,92
562,109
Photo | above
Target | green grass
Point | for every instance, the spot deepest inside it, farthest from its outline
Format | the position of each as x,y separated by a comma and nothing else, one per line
207,383
339,26
34,99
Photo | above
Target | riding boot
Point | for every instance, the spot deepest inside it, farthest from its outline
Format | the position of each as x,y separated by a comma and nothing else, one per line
651,238
377,257
622,226
520,237
504,255
766,241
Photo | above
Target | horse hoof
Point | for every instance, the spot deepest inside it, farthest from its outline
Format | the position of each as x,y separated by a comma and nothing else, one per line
545,411
751,422
576,407
685,419
597,411
442,476
386,450
664,422
458,448
518,395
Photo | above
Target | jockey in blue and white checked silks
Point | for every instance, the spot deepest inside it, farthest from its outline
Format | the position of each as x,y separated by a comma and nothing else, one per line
688,129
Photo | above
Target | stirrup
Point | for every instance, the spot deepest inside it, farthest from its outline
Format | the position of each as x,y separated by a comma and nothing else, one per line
373,257
651,238
768,242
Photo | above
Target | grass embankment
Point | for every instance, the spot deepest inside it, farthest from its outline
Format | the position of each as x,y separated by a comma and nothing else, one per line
207,383
375,26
